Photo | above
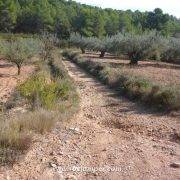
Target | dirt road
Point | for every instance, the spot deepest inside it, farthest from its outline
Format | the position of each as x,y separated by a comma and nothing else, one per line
110,138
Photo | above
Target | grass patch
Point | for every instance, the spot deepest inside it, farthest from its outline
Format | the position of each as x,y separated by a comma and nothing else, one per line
41,92
161,98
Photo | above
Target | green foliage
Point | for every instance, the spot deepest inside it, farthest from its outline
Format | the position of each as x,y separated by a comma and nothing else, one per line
65,17
77,40
8,15
42,93
158,21
92,43
173,50
19,50
148,45
141,47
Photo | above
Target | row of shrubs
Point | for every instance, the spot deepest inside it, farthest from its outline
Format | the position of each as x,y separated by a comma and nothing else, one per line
133,87
150,45
49,96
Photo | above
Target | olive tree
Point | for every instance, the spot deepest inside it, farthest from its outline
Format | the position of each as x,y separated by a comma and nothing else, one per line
140,47
78,41
91,43
102,46
136,47
19,51
173,49
114,43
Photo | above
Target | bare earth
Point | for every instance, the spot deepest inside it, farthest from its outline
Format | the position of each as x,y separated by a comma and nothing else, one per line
159,72
108,133
9,78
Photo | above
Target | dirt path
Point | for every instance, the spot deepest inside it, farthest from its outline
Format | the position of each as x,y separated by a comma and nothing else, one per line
109,138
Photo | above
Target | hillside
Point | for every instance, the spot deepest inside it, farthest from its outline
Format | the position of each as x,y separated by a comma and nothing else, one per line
64,17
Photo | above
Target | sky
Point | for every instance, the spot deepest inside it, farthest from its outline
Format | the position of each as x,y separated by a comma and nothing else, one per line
168,6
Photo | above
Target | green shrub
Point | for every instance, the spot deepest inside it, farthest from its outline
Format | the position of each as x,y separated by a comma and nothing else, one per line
165,99
42,92
56,72
173,50
78,41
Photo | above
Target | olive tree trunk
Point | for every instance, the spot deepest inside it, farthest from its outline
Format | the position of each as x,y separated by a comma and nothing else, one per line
102,54
19,69
134,62
83,51
134,58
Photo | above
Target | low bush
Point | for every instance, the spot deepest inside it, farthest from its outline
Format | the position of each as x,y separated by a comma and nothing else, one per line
165,98
44,90
133,87
39,121
20,50
172,54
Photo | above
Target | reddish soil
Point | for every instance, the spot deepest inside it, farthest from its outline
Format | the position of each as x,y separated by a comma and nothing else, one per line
9,78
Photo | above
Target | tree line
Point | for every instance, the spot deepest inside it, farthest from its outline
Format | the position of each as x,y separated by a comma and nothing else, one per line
65,17
149,45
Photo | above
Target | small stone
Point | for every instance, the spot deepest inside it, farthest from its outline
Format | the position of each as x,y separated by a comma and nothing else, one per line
52,165
172,153
95,174
60,153
66,141
89,156
43,159
69,156
89,116
175,165
51,153
75,130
